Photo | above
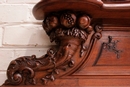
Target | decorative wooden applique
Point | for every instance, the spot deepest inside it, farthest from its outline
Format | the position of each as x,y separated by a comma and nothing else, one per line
78,27
112,47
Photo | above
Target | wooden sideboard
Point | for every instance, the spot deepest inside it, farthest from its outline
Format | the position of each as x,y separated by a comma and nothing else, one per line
92,46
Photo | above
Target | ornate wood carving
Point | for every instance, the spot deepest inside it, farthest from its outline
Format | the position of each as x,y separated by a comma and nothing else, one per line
112,46
69,30
78,27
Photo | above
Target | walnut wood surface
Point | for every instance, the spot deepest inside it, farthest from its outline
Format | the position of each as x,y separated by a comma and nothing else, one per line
95,8
92,46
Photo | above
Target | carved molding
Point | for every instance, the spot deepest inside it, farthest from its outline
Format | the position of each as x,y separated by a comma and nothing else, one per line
95,8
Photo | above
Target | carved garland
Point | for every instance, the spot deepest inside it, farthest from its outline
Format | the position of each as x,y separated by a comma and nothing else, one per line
69,30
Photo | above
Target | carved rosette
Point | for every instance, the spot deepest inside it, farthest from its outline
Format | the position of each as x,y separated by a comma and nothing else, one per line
69,30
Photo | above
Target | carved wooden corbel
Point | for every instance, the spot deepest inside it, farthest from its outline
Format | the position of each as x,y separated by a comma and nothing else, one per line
70,30
75,27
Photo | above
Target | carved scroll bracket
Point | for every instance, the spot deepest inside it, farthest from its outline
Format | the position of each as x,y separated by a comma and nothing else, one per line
70,30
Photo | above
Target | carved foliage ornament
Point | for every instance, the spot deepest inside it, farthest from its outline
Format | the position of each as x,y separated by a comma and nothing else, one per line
112,46
69,30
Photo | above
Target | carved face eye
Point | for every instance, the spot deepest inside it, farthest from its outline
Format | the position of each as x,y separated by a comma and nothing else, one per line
84,22
68,20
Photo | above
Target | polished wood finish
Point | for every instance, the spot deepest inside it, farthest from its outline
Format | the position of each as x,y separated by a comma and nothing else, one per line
92,46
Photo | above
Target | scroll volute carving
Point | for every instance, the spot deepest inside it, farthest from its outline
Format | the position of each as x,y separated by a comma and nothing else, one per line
70,31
